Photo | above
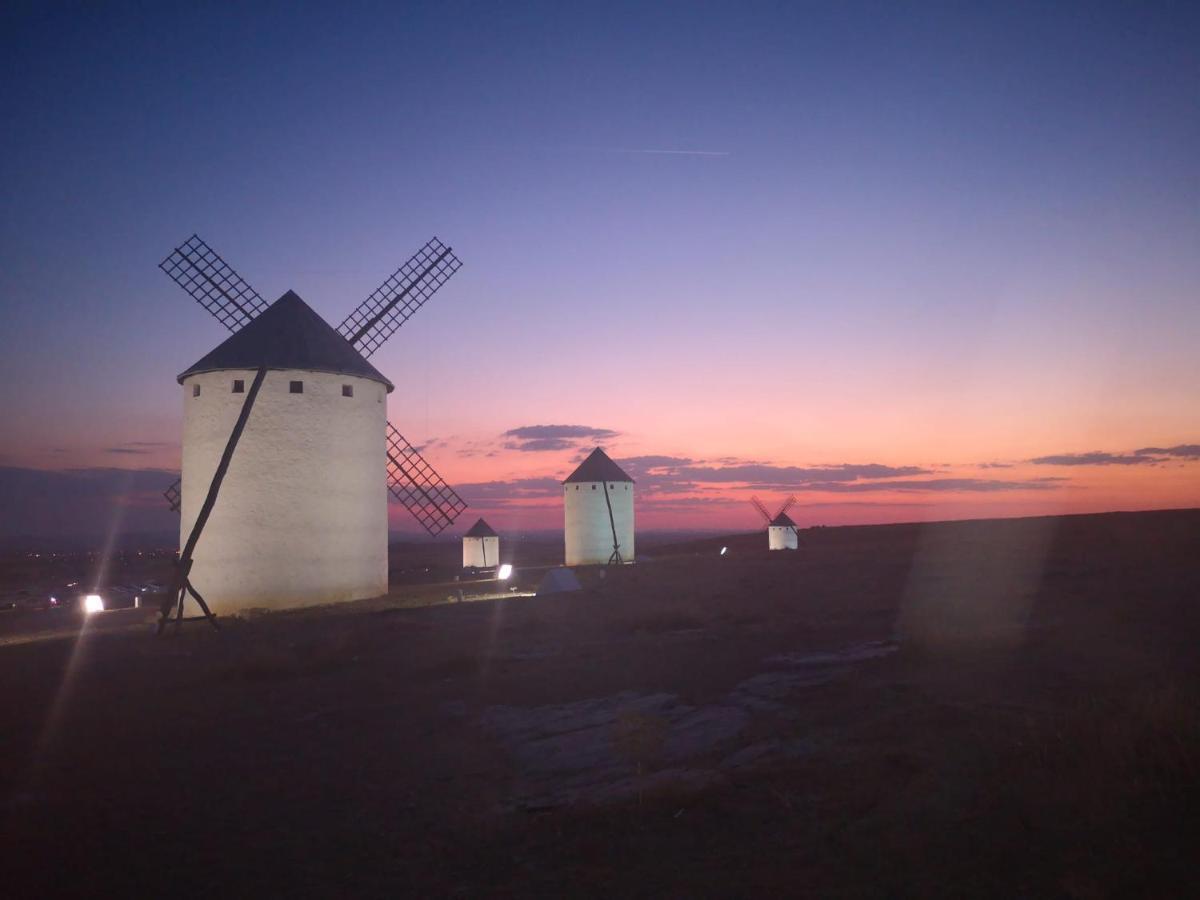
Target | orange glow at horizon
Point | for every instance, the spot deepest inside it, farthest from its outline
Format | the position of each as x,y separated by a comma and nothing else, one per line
1025,489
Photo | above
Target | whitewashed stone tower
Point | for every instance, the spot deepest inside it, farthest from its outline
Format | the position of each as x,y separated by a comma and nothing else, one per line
598,508
781,533
302,516
481,547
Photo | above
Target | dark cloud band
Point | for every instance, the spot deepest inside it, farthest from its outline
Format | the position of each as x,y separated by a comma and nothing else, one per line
543,438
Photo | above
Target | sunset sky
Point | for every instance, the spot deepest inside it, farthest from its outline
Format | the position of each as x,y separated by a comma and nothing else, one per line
906,262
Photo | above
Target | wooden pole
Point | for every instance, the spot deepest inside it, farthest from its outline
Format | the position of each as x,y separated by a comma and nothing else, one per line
184,566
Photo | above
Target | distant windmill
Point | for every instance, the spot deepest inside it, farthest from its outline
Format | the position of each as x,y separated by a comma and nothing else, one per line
303,514
781,530
481,547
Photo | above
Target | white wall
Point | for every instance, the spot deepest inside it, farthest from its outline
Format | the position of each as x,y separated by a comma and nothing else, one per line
781,537
302,514
588,531
481,552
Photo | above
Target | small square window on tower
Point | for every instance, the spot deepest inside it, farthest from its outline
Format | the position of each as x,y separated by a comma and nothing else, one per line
195,390
296,387
239,386
347,390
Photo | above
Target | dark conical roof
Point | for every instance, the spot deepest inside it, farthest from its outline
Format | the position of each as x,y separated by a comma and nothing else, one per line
783,520
481,529
598,467
288,335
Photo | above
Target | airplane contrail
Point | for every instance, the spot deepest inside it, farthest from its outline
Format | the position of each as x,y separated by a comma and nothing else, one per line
675,152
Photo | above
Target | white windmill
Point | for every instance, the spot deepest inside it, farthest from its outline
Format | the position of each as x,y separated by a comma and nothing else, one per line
598,509
781,530
481,547
302,517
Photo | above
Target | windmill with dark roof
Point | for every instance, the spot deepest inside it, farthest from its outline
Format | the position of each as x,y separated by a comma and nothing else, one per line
782,533
481,547
598,512
288,456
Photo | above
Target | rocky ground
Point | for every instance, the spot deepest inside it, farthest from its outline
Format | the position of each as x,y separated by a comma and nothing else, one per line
966,709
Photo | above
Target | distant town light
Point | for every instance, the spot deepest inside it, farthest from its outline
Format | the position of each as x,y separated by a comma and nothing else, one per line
723,549
505,572
93,603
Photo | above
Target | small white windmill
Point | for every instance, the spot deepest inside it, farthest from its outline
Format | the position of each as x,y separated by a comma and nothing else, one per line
481,547
781,530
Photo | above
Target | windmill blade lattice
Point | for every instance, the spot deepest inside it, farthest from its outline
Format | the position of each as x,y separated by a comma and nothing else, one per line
197,268
399,297
418,486
787,504
762,510
174,494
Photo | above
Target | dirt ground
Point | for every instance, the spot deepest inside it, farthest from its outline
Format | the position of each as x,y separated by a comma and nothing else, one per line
997,709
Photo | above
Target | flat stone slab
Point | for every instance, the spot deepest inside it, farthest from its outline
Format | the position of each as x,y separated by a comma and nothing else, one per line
604,748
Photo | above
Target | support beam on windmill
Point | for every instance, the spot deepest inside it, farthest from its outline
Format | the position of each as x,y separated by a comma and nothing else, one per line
283,491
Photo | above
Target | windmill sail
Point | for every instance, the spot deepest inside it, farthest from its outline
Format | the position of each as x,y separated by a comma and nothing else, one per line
762,510
197,268
780,518
173,494
418,486
396,300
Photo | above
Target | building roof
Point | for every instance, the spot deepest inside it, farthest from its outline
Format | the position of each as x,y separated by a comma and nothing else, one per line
288,335
598,467
481,529
783,520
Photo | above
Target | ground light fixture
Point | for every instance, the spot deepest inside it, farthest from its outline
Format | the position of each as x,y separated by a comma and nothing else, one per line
504,572
93,603
723,549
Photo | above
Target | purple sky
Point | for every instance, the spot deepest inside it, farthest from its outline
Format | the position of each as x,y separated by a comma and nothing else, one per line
918,236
